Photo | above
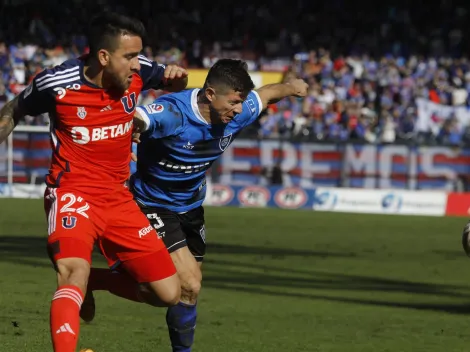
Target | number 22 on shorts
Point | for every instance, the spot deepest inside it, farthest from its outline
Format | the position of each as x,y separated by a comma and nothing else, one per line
69,221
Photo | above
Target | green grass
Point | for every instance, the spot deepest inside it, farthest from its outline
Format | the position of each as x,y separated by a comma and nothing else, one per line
274,280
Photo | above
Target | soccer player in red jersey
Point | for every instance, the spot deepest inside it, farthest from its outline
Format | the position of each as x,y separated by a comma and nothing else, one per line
91,102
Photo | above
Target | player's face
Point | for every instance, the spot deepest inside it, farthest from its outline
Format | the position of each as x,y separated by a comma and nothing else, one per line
123,62
228,105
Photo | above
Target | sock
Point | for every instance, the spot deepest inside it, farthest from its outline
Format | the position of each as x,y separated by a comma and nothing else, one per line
181,321
119,284
64,319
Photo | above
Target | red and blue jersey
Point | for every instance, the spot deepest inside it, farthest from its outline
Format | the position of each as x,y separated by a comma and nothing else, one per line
91,128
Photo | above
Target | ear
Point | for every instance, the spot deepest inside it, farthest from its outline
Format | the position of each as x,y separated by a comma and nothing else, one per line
104,57
210,94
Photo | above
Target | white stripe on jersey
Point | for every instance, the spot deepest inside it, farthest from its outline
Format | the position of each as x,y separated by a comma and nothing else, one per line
143,58
58,73
260,102
55,78
53,84
54,137
52,210
144,116
146,63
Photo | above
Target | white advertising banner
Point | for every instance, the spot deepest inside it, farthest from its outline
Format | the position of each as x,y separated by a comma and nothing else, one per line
18,190
380,201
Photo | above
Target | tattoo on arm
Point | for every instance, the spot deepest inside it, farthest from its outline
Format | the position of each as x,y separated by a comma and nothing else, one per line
9,117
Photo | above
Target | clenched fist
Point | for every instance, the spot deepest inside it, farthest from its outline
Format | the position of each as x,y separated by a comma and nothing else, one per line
299,86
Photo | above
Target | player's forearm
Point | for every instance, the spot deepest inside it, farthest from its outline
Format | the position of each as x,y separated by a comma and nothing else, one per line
272,93
139,123
176,84
8,119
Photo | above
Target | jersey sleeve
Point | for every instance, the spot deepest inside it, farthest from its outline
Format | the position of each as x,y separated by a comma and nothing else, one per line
35,99
151,73
162,119
252,108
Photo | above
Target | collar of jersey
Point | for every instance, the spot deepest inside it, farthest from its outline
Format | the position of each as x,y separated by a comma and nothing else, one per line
195,108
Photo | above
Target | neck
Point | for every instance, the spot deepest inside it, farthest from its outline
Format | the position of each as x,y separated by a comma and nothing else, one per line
93,73
204,107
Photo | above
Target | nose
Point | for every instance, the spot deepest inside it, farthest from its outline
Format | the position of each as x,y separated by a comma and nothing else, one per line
135,64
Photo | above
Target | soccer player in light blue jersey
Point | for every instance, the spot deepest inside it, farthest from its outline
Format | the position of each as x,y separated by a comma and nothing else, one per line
182,134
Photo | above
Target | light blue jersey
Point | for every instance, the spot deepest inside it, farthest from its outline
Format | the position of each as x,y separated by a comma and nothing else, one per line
179,146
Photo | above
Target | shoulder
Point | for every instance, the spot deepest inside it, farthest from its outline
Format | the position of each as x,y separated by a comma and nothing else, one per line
148,63
59,77
162,117
150,72
253,101
164,107
252,107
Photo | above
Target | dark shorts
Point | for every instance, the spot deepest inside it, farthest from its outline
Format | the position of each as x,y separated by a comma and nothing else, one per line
179,230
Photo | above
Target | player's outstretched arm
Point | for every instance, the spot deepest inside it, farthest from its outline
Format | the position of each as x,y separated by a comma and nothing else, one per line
10,114
272,93
175,78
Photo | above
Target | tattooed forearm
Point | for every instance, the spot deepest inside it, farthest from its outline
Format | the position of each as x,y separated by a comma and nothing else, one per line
8,119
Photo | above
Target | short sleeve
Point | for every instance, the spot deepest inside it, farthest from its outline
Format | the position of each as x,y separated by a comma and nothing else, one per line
162,119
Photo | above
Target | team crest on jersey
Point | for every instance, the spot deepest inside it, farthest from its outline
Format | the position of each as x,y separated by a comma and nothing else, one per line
81,112
128,102
154,108
225,141
69,222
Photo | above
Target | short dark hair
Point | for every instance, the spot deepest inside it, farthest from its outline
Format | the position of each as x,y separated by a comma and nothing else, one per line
230,74
105,27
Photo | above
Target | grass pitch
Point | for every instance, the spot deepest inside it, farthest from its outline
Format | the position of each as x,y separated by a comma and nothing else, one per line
274,280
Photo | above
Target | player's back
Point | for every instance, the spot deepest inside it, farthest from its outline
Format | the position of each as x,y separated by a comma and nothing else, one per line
91,128
178,149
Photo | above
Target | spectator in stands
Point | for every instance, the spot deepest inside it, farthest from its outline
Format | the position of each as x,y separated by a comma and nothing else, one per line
364,87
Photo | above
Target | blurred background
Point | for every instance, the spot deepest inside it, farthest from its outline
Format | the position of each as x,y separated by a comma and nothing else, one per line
380,74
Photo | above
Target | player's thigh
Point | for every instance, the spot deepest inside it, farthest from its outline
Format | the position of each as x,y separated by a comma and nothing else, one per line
73,225
168,226
193,226
132,242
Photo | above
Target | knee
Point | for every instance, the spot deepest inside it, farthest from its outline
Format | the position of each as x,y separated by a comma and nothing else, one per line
190,288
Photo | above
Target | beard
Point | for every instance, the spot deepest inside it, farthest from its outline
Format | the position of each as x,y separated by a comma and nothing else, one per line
115,84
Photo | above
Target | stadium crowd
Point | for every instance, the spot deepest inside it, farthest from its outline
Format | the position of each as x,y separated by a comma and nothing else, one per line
365,74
